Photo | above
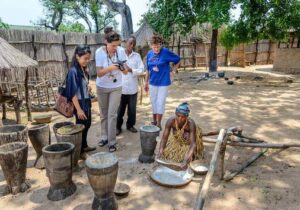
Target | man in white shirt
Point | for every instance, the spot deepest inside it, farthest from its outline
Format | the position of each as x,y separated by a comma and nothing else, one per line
135,67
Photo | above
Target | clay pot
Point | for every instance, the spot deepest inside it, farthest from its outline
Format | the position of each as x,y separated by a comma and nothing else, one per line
39,137
13,133
58,163
148,134
102,171
13,160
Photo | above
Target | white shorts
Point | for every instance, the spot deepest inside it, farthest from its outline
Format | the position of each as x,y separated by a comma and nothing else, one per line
158,95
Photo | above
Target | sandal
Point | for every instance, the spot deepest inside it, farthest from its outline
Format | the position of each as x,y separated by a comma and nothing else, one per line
153,123
102,143
112,148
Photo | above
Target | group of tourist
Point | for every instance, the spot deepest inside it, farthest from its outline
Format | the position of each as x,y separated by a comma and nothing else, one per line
117,87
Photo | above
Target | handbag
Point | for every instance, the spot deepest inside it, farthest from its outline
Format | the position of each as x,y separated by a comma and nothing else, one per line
62,105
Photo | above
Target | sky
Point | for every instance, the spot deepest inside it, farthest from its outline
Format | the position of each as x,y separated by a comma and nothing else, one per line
23,12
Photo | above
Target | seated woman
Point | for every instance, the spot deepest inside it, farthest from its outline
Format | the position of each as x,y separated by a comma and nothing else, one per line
182,138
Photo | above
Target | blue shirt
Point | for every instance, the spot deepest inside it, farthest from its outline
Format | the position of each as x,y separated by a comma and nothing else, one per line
158,66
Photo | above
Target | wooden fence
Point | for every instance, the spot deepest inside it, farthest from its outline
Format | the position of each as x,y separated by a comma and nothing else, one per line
53,51
197,54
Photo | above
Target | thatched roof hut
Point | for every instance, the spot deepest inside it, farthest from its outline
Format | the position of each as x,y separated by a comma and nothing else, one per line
12,61
12,58
143,34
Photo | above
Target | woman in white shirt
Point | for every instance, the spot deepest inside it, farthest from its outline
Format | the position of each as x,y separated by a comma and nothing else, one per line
109,86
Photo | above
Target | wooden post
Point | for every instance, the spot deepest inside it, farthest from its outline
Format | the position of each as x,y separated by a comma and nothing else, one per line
17,105
65,51
202,194
269,51
85,39
34,47
292,42
222,157
3,111
206,59
183,59
173,41
194,54
243,56
256,51
178,46
27,98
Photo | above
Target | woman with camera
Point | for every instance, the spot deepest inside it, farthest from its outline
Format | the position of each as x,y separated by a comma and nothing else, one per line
109,64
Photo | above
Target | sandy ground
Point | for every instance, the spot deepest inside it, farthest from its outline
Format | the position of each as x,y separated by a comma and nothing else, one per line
268,112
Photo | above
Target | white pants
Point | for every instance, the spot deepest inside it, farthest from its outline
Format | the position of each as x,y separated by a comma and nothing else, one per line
158,95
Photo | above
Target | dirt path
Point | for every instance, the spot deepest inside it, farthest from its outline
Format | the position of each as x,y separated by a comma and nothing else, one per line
266,112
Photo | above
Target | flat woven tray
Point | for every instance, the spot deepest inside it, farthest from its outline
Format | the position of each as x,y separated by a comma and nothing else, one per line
167,177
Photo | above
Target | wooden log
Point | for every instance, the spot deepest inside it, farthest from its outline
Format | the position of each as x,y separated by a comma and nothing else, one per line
230,176
257,145
13,133
264,145
202,193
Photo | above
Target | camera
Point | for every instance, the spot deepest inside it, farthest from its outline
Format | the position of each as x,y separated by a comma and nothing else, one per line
120,64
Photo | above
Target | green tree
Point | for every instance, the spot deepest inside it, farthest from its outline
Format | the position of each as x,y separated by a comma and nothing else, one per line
54,10
3,25
93,13
171,16
72,27
62,12
261,19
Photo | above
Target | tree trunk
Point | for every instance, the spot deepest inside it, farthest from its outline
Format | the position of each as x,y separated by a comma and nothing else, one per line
124,10
227,58
213,57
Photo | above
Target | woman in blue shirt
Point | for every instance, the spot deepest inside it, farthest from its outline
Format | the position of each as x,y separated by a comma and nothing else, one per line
77,92
158,77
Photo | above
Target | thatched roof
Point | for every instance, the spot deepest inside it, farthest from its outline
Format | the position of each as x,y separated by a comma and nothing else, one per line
12,58
143,34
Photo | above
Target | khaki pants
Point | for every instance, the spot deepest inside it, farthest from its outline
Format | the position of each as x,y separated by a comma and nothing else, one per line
109,101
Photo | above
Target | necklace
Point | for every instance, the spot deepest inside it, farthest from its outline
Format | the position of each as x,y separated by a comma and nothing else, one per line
111,75
155,59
